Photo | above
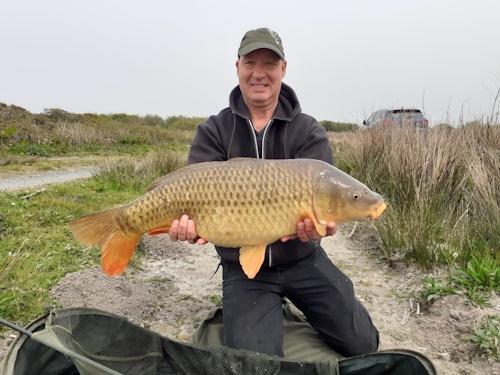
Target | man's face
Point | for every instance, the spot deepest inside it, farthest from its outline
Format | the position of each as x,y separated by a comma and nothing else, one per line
260,73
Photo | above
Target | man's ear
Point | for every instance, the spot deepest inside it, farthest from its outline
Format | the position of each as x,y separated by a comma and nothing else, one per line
283,68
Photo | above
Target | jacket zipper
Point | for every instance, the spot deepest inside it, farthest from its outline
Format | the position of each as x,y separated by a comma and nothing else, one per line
263,138
269,247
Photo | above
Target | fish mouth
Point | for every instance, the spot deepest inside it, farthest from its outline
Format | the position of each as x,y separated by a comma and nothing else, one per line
378,211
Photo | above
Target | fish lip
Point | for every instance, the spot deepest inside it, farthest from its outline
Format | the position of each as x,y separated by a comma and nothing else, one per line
378,211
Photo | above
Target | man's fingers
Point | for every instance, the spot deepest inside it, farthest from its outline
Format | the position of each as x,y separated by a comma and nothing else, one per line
191,232
331,228
201,241
302,231
287,238
173,231
183,227
310,230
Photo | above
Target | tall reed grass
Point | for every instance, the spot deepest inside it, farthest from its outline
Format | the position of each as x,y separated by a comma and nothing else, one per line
443,189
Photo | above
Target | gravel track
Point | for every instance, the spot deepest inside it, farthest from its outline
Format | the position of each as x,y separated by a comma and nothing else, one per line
29,181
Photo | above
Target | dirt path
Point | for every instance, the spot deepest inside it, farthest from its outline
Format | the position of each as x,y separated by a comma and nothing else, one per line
25,181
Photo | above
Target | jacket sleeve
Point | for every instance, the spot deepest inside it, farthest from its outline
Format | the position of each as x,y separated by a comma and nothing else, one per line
206,145
316,145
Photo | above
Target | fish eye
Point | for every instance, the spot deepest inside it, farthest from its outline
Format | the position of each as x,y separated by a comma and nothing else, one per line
356,195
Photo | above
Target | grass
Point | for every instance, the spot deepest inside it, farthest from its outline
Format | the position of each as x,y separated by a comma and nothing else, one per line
37,235
37,248
442,188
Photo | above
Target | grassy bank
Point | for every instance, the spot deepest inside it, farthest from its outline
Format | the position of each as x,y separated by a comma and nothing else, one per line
442,187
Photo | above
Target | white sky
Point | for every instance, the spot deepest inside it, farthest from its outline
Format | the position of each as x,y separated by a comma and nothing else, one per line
345,58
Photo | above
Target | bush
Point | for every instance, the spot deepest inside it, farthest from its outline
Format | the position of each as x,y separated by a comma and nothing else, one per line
332,126
183,123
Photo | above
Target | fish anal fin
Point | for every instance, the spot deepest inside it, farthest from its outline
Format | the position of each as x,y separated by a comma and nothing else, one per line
251,259
160,230
116,253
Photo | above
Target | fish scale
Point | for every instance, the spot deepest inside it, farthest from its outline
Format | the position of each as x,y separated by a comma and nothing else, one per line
242,203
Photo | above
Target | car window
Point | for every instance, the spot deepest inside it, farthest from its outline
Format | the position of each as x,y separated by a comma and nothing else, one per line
379,116
370,119
403,114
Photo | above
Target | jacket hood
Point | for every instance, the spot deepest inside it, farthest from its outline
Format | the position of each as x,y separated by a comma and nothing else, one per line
288,105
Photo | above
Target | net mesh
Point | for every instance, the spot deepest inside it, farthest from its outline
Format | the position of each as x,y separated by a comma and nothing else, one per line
104,343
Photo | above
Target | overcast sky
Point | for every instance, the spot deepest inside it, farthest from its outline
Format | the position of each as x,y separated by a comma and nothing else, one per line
345,58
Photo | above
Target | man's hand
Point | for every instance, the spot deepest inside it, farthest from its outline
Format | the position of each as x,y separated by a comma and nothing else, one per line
307,232
185,230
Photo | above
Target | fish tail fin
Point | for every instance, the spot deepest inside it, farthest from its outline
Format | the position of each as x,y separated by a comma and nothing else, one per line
251,259
101,228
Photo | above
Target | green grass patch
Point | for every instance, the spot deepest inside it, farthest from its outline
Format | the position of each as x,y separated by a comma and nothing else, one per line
37,247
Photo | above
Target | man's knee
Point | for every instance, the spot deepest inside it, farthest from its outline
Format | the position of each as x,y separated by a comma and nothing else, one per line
363,343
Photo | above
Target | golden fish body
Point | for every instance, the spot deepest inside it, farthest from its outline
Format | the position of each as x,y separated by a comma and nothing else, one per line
246,203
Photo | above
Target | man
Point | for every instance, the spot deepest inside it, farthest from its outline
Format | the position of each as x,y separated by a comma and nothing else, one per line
264,120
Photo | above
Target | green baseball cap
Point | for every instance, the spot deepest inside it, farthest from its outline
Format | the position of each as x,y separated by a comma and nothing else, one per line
261,38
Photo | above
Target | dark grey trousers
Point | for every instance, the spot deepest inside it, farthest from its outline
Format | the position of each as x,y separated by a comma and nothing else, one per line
253,315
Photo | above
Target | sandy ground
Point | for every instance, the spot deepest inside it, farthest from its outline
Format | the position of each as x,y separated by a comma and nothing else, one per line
175,287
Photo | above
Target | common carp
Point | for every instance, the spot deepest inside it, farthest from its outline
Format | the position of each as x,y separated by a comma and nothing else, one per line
244,202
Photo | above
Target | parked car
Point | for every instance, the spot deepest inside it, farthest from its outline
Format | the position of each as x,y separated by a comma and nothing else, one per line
384,118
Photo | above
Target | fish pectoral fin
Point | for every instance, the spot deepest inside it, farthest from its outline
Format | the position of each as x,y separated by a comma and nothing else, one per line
319,225
160,230
320,228
251,259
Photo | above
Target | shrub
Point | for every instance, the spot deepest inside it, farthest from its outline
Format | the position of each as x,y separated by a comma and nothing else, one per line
332,126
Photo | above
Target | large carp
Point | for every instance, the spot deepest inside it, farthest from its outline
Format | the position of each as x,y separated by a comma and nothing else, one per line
244,202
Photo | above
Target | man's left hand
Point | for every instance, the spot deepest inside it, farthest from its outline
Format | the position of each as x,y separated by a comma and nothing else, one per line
307,232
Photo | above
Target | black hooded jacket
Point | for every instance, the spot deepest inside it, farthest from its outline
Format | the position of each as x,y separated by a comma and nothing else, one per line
290,134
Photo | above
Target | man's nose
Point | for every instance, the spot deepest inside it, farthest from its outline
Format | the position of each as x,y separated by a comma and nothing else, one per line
259,71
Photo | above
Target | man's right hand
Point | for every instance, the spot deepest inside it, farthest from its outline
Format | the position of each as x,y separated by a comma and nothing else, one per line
185,230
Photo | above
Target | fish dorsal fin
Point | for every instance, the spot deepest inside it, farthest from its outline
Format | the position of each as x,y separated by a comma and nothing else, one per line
181,172
194,167
251,259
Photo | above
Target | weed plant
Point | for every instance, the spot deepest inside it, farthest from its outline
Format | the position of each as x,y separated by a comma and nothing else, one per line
482,273
435,289
487,337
